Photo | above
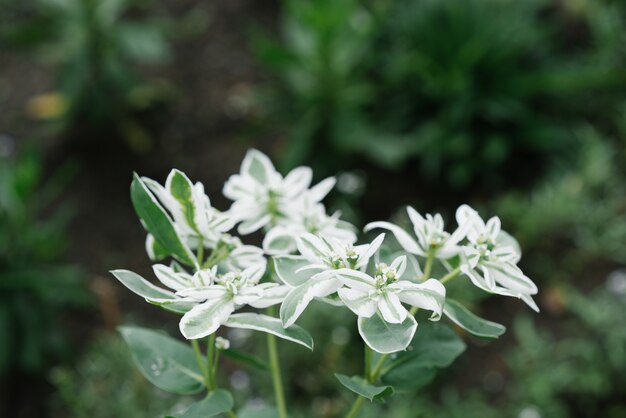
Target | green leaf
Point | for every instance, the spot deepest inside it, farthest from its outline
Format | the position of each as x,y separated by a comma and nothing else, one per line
157,221
246,358
180,188
471,323
141,286
434,346
217,402
383,337
258,412
271,325
286,267
359,386
165,362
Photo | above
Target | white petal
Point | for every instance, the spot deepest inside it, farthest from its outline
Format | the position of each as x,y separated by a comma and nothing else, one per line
299,297
404,239
203,293
249,226
204,319
258,165
370,250
297,181
391,309
358,302
355,279
429,295
399,265
312,247
170,278
273,294
279,241
321,189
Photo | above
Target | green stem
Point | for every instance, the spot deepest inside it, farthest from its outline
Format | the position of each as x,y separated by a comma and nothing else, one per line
356,407
211,366
368,361
201,363
275,368
370,377
451,275
430,257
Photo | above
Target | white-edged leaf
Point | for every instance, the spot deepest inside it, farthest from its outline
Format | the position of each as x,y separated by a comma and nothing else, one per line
264,323
299,297
141,286
384,337
287,266
471,323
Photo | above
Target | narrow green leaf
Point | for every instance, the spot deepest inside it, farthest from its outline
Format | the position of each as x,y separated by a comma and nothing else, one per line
271,325
473,324
359,386
217,402
246,358
157,221
181,189
165,362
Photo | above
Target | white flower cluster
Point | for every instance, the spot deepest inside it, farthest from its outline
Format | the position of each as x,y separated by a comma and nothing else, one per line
315,256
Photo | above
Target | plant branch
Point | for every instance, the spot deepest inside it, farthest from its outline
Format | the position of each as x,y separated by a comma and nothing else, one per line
275,369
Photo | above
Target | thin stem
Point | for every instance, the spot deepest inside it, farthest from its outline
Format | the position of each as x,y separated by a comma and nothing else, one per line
356,407
377,369
451,275
430,257
368,361
211,366
275,368
201,363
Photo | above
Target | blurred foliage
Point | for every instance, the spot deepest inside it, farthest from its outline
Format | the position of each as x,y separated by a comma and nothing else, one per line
36,286
104,383
575,370
95,48
472,90
578,211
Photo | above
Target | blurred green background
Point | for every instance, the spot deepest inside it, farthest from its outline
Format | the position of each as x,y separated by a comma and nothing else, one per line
516,107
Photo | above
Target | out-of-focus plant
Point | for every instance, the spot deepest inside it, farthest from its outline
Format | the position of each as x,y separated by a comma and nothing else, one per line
576,370
581,207
213,276
95,48
467,85
36,286
104,373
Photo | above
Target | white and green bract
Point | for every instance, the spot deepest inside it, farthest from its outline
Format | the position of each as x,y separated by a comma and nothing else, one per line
430,233
384,295
491,258
221,295
321,257
306,218
194,219
285,207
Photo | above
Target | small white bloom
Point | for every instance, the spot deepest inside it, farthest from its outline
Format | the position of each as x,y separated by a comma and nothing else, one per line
387,291
323,256
430,233
263,197
491,258
194,219
222,343
309,218
225,294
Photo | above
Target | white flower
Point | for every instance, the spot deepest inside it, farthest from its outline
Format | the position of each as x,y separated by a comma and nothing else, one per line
262,197
430,233
386,291
194,219
309,218
232,255
322,256
222,343
492,256
218,298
